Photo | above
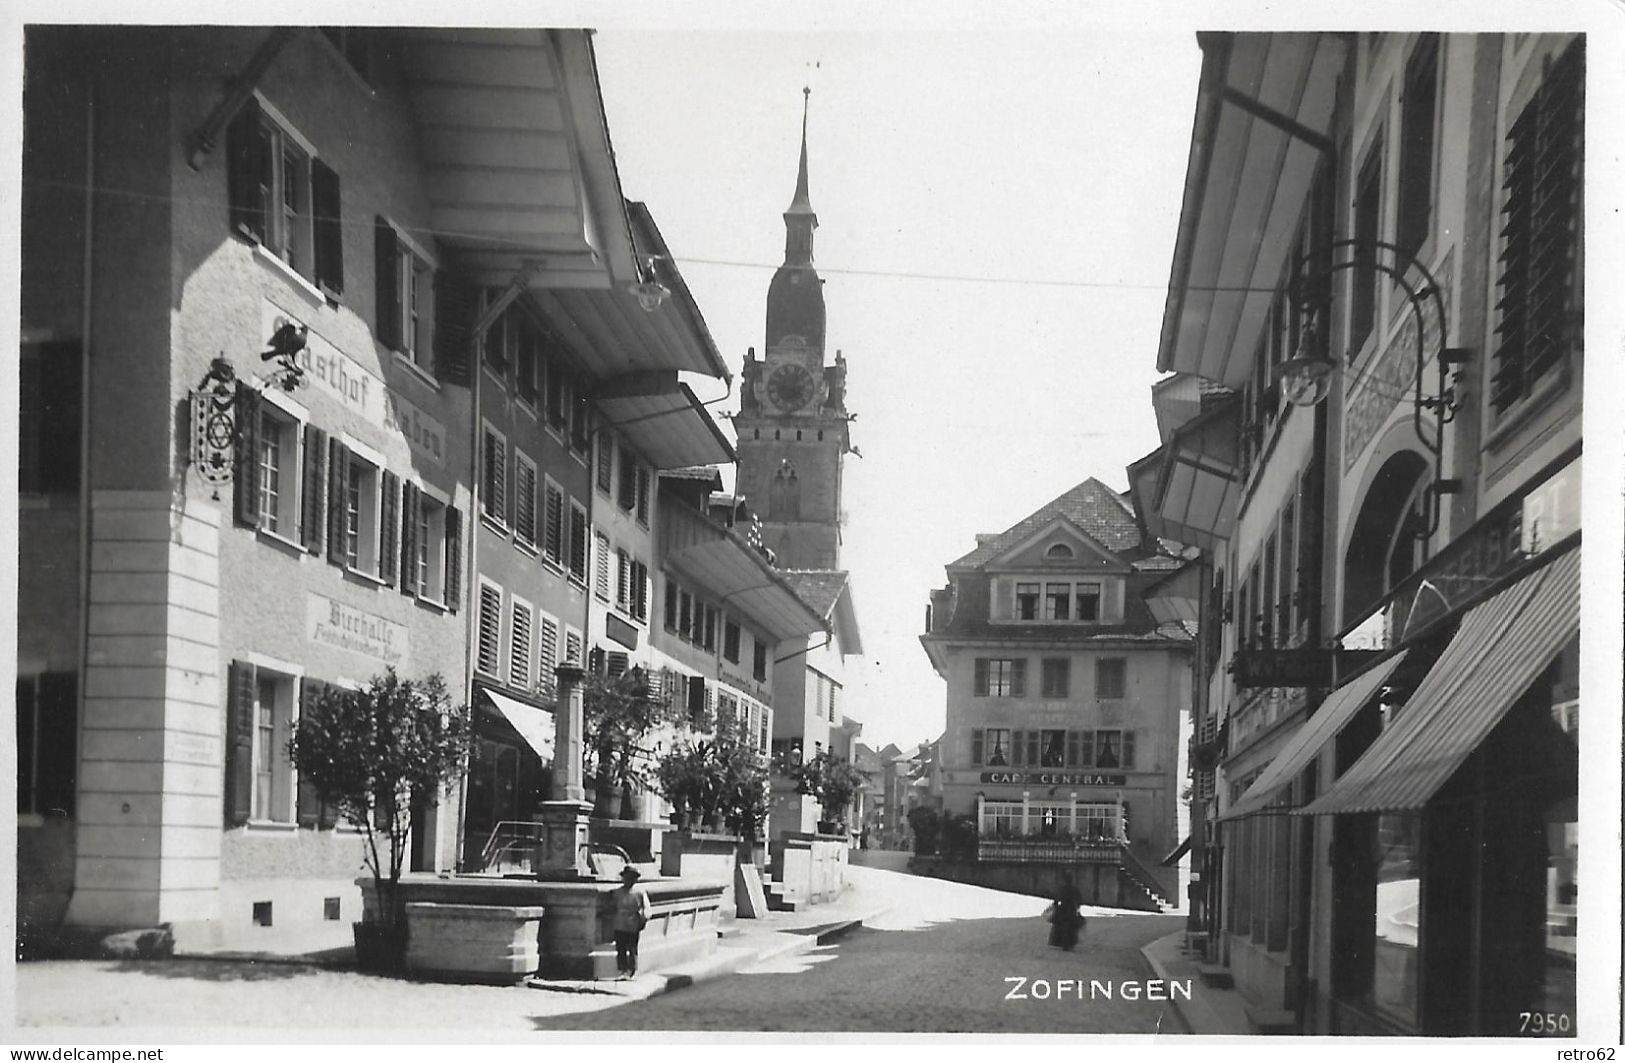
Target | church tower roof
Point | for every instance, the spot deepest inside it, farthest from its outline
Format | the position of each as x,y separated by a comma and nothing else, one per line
795,298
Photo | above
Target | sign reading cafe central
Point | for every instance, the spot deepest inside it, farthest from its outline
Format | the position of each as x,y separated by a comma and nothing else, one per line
1055,778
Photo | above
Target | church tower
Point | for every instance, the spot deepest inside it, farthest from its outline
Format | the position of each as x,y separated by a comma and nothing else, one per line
792,420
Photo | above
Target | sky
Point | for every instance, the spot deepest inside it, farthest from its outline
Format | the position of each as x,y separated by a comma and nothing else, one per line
996,224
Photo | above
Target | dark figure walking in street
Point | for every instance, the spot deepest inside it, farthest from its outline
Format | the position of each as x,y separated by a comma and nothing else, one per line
631,916
1066,920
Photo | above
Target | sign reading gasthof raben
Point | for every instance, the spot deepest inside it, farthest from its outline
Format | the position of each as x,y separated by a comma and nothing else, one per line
332,623
361,391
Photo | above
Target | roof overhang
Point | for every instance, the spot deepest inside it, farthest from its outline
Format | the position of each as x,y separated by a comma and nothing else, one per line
516,157
845,620
1264,111
714,558
662,419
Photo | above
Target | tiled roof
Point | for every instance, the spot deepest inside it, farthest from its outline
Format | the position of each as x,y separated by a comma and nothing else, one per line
1102,514
819,588
692,472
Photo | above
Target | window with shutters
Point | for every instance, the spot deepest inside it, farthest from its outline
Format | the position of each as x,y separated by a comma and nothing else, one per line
1111,677
360,521
580,416
405,296
639,593
553,526
707,634
1367,231
519,627
671,606
423,544
759,660
1417,113
623,580
1057,677
600,566
573,646
606,461
488,658
643,478
579,543
283,196
277,470
627,496
685,615
999,677
273,790
547,655
524,500
730,640
1539,294
494,476
995,751
558,394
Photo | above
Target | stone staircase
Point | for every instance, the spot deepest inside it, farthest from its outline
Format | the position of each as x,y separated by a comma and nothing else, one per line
778,900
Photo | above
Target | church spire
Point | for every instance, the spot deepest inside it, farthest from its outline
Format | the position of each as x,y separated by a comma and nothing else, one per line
800,220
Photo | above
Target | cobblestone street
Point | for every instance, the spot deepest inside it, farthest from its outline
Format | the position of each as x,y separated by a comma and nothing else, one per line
937,961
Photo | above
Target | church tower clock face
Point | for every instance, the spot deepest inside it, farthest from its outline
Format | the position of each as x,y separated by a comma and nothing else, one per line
789,387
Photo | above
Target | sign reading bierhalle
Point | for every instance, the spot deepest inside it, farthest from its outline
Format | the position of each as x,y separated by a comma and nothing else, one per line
332,623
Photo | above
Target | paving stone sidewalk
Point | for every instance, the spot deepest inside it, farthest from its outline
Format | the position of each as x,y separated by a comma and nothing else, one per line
309,985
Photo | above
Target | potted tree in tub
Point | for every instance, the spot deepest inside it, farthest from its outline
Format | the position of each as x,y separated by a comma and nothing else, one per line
833,781
372,754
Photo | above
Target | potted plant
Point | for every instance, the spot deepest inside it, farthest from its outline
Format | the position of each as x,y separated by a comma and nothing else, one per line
618,713
832,780
372,754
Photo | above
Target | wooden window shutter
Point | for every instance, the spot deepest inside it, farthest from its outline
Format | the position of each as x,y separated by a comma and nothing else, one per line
454,557
241,686
1086,749
455,306
1018,752
1018,677
246,486
58,742
696,700
247,159
1072,750
1128,749
338,471
386,262
389,518
411,513
327,228
1541,216
309,807
313,508
976,743
979,683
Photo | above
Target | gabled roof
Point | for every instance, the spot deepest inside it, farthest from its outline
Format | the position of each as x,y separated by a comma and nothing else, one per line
1096,509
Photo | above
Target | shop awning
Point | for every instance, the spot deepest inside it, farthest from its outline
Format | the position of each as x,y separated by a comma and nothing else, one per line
1332,716
1500,648
534,725
663,420
1264,109
1179,852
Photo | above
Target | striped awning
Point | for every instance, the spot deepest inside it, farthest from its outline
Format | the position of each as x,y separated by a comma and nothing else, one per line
1500,648
1330,719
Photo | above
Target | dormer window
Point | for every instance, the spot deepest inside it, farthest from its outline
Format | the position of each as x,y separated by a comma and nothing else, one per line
1058,601
1058,552
1026,601
1088,601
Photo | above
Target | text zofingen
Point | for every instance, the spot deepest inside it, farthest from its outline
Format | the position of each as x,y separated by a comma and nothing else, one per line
1075,989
